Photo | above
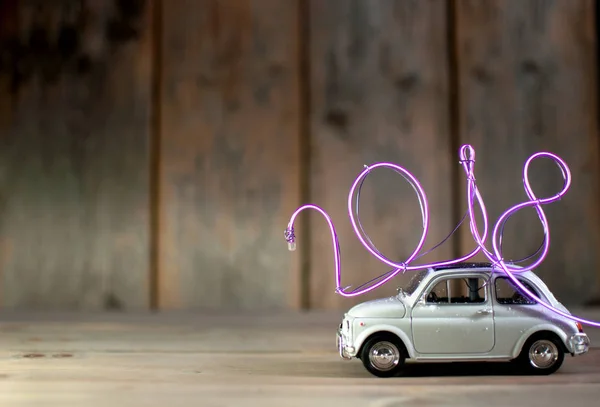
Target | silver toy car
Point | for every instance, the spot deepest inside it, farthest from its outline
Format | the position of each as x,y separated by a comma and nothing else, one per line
459,313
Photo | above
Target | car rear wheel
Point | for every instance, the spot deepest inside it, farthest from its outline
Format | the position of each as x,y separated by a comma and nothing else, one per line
542,355
383,355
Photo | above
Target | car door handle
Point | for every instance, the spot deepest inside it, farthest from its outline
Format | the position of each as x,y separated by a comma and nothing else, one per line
485,311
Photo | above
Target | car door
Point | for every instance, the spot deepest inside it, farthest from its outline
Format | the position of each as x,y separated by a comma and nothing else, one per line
454,316
514,313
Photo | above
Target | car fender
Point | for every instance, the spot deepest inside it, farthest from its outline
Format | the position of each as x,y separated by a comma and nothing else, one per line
538,328
404,337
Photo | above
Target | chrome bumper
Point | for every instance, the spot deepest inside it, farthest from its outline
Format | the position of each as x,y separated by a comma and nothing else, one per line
579,344
342,348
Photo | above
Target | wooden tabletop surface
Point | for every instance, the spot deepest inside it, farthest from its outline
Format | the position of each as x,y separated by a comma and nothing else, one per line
277,359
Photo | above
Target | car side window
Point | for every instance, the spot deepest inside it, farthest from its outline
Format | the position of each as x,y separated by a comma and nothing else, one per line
458,290
507,293
439,293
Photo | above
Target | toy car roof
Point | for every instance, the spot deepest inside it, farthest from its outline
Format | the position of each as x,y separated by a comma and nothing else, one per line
466,265
481,266
475,266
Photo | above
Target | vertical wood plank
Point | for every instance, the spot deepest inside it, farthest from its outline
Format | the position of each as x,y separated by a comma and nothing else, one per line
527,74
8,29
74,167
379,93
229,154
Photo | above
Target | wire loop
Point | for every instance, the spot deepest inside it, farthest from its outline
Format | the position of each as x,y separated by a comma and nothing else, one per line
495,256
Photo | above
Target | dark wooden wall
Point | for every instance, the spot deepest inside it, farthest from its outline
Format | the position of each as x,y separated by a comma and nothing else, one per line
74,159
229,163
379,92
527,82
151,152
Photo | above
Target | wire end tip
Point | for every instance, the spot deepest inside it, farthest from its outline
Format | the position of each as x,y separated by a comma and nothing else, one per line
290,238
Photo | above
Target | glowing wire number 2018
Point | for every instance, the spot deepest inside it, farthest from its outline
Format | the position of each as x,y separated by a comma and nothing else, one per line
467,160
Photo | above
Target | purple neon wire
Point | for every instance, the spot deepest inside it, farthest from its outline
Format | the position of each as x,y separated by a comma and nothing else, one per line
537,203
467,161
467,158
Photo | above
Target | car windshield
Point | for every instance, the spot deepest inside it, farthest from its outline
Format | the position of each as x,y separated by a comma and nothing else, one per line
410,287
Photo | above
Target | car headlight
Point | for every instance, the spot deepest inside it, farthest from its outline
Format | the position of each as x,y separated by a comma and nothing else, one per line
347,327
580,343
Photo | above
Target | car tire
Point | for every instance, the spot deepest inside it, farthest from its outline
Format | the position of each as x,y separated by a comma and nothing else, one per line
541,355
383,355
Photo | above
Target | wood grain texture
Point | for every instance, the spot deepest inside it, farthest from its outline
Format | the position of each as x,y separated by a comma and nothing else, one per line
229,154
74,181
527,75
379,93
247,359
8,29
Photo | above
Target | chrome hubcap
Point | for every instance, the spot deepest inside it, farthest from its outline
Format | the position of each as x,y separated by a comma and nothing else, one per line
543,354
384,356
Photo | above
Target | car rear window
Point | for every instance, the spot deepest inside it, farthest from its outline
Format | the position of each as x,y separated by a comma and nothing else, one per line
508,293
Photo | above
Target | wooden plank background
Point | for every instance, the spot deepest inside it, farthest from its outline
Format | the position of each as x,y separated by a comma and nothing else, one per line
527,80
164,175
379,86
74,166
229,156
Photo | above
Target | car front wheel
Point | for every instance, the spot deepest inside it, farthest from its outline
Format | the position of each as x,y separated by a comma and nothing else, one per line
542,355
383,355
